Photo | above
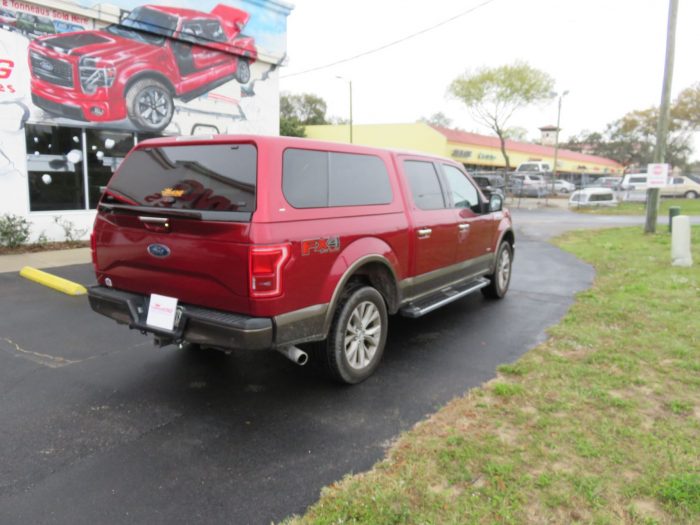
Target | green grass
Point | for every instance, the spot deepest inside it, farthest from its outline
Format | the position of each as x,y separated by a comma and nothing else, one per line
687,206
600,424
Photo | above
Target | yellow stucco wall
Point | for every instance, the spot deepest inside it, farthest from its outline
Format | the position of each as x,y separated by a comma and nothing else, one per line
411,137
421,137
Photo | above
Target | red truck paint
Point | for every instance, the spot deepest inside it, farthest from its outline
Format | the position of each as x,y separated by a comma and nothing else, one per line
294,266
100,75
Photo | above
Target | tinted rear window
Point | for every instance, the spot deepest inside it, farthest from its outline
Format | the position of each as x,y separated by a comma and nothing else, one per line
321,179
215,178
599,197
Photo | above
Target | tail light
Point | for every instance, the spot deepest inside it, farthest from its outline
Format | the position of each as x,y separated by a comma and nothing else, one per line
265,269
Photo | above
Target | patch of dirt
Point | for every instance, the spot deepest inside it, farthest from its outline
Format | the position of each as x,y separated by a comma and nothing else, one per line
647,508
49,246
507,434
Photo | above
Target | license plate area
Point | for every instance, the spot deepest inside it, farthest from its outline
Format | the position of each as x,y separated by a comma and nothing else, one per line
163,313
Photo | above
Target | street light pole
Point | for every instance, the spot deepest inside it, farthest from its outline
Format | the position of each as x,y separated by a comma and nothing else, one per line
350,86
556,143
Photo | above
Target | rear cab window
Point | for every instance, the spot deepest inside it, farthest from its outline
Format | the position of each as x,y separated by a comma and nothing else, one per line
212,182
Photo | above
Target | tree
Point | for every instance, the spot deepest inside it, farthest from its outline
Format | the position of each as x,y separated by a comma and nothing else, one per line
437,119
630,140
493,95
297,111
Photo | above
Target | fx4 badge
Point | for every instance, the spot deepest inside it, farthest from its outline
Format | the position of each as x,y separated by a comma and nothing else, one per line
331,244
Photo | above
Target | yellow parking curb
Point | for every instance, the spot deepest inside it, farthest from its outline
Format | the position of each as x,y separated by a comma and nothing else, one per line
53,281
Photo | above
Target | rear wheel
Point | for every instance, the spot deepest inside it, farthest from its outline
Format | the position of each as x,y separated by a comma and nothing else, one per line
357,336
500,278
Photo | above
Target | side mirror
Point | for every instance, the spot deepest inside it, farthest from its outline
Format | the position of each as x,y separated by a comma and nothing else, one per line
495,203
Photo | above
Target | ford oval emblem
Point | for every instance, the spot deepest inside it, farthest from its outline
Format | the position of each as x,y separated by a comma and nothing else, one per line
158,250
46,65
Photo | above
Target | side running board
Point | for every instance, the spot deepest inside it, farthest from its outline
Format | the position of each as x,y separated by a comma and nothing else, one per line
441,298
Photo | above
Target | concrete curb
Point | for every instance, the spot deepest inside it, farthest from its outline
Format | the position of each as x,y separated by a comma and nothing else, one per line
53,281
47,259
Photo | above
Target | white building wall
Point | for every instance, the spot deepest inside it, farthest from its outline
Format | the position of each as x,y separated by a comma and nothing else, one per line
230,108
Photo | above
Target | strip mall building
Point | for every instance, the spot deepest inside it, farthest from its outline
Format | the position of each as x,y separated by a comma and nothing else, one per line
475,152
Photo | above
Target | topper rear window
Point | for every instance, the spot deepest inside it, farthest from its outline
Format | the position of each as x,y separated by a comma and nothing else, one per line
206,178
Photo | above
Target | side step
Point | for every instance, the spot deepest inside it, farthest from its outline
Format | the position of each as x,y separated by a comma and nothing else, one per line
441,298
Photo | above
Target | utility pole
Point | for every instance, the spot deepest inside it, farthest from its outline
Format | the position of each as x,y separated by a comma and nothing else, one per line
664,116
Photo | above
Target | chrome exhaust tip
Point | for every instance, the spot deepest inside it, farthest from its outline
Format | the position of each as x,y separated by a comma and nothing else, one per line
294,354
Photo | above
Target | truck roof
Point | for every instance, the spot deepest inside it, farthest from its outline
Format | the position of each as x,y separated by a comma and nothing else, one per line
290,141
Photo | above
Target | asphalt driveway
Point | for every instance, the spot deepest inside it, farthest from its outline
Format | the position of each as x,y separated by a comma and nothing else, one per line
98,426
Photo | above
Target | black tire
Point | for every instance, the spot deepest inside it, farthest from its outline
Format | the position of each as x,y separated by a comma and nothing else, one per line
500,278
691,195
242,71
335,355
149,105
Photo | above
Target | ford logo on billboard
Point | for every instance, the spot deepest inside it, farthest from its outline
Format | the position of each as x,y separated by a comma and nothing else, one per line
158,250
46,65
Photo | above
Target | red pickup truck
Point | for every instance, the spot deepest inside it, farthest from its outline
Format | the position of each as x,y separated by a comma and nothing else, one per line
272,242
136,68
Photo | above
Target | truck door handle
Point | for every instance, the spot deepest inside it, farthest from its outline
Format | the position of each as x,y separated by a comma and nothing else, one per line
424,233
464,227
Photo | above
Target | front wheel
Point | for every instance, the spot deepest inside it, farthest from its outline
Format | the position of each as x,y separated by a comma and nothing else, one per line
149,105
500,278
691,195
242,71
357,336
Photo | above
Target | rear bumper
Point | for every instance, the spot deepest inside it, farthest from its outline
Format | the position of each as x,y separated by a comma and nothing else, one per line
195,325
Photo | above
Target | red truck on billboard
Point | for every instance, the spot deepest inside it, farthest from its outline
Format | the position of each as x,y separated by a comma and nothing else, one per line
138,67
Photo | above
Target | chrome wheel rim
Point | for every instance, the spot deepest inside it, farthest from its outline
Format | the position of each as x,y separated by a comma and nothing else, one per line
362,335
153,106
504,269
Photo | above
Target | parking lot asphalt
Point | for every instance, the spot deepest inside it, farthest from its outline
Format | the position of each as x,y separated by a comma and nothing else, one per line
98,426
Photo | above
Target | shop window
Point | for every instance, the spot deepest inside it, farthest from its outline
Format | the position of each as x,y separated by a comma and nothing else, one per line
105,152
55,168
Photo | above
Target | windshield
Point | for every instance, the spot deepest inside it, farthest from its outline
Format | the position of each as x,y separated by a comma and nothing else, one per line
145,25
214,178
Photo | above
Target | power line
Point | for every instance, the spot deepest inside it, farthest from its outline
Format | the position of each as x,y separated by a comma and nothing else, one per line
390,44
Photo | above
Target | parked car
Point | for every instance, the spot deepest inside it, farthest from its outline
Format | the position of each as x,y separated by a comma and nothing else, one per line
593,197
634,182
534,167
34,25
608,182
490,184
137,68
562,186
270,242
684,186
528,185
8,18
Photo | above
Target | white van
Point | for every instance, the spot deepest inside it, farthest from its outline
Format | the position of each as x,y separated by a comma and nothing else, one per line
634,181
534,167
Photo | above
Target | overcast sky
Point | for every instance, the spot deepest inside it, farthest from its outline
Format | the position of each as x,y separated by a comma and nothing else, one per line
609,54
